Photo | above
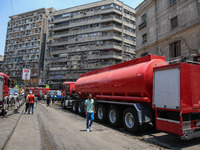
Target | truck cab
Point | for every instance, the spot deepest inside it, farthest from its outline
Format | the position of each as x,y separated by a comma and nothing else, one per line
4,92
68,93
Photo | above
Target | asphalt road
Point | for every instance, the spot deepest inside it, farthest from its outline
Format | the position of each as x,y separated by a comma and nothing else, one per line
50,128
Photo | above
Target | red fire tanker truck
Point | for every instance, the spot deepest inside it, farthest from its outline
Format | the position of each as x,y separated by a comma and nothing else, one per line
4,92
37,91
68,94
145,90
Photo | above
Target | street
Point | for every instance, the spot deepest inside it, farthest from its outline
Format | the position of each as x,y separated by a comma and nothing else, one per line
50,128
55,128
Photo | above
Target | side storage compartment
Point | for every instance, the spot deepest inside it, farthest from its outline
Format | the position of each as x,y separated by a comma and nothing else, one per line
166,99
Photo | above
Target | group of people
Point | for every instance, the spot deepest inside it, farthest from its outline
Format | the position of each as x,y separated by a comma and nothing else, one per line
89,108
30,99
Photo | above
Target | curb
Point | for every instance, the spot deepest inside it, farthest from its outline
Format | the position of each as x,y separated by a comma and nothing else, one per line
9,135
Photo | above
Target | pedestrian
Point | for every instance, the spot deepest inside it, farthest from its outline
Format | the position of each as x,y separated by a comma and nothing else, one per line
27,103
89,112
48,99
43,98
35,102
31,99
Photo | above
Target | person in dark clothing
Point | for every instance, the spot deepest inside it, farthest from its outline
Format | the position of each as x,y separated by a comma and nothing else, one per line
27,104
48,99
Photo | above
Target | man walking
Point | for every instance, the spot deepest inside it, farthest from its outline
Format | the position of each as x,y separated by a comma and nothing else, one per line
31,99
27,103
89,112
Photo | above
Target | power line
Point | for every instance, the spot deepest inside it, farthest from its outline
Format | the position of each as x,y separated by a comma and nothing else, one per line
12,6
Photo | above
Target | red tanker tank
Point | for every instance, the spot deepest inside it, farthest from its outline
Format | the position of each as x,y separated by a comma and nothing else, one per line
131,81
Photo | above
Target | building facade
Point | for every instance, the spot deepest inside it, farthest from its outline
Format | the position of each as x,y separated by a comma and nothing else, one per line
88,37
25,45
169,28
1,63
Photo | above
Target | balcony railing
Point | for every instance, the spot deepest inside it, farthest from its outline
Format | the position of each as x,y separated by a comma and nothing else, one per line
97,20
88,39
88,14
97,29
87,48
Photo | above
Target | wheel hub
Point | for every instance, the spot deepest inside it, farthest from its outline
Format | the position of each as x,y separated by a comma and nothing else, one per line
129,120
74,107
79,108
112,116
100,113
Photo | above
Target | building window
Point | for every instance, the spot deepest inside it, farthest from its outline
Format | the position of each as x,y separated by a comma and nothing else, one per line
144,38
175,49
172,1
174,22
144,18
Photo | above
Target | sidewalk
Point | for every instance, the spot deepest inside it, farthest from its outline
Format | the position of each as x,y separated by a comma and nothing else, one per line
8,124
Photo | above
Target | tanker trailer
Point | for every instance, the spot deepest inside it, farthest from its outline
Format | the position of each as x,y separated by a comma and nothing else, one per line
122,92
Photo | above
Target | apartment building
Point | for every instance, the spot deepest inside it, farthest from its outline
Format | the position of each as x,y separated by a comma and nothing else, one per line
169,28
1,63
25,45
88,37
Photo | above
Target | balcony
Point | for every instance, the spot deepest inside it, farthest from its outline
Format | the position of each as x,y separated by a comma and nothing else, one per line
97,20
128,41
86,48
56,68
129,50
108,56
90,30
88,39
129,33
88,14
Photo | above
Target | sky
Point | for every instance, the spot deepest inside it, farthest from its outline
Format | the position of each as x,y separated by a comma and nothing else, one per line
14,7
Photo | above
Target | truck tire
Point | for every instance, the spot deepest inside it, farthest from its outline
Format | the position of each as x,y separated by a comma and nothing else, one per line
75,96
114,116
130,120
80,108
101,113
74,106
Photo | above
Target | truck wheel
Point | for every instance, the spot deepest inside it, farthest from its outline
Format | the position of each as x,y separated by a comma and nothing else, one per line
113,116
101,113
75,96
130,120
80,110
74,106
